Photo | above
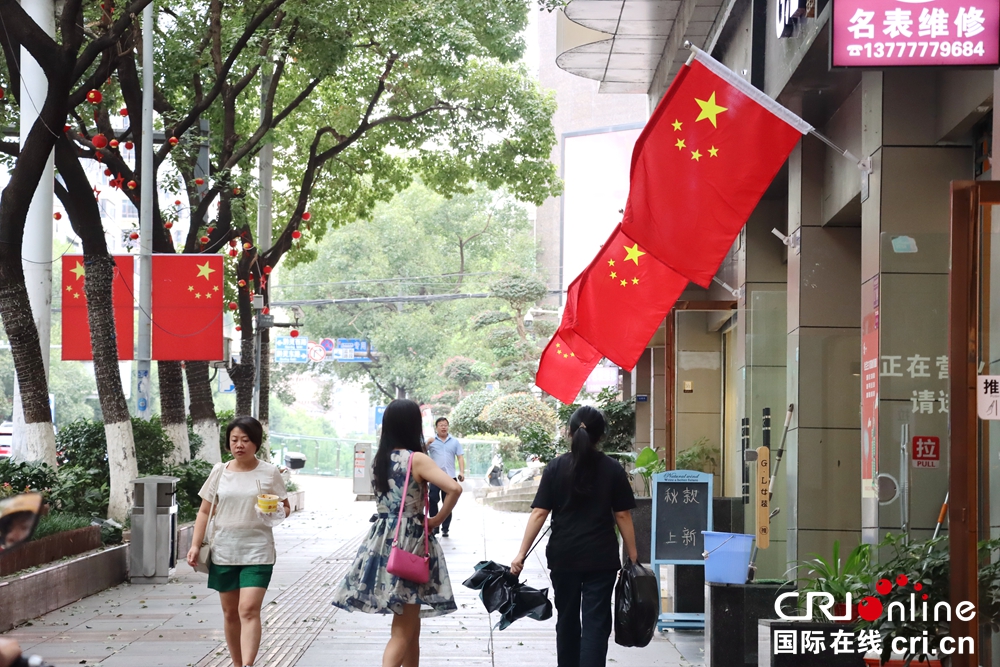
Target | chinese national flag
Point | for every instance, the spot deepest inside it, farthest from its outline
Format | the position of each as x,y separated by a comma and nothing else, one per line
705,158
566,364
187,307
622,298
75,325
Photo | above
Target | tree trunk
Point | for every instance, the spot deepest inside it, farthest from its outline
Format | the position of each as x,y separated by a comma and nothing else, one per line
172,413
98,285
202,410
242,376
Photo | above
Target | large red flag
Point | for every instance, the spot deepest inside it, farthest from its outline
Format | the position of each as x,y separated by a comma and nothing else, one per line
621,298
566,364
75,325
705,158
187,307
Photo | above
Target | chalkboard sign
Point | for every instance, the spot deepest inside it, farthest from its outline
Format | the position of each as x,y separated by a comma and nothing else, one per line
682,509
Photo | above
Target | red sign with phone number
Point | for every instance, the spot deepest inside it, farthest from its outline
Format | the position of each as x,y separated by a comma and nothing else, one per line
908,33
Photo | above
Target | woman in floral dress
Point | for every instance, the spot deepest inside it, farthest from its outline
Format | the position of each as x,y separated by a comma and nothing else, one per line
368,587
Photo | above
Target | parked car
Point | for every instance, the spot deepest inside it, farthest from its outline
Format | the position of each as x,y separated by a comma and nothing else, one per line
6,438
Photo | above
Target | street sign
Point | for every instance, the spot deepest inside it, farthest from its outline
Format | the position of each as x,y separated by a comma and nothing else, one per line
352,350
328,344
288,350
379,412
316,352
226,385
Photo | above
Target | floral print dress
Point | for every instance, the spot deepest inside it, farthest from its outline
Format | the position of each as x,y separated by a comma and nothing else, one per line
368,587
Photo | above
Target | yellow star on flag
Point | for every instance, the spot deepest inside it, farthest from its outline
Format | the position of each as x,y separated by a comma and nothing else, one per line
634,253
709,109
76,295
713,151
680,144
677,125
197,295
205,271
69,288
696,156
635,281
215,288
611,262
624,283
190,288
614,275
79,271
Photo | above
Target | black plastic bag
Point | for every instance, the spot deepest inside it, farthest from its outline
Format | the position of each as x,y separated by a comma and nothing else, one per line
502,592
637,605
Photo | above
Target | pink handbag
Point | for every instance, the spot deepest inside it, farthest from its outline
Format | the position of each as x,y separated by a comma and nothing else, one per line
402,563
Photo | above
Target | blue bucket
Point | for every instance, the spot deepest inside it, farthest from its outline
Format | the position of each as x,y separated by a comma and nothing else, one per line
727,557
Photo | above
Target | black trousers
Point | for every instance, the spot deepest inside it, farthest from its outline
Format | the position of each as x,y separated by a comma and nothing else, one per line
438,496
583,616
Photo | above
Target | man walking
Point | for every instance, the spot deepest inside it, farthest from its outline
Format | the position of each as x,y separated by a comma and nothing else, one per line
444,449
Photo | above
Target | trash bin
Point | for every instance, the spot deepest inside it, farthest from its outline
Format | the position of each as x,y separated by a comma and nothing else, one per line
153,549
295,460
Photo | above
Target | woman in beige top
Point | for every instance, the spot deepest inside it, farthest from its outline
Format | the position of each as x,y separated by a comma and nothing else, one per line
242,544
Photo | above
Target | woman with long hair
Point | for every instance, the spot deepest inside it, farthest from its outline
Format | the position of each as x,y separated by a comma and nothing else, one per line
588,494
243,554
368,586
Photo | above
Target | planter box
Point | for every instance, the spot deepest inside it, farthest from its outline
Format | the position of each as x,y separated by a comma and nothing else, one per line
50,549
767,641
732,612
40,592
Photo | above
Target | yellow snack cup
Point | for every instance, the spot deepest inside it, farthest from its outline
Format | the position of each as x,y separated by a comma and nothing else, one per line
268,503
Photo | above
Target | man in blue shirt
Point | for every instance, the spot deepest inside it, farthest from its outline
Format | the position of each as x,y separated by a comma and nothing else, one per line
444,449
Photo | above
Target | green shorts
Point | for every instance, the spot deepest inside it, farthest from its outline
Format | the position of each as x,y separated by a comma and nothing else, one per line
225,578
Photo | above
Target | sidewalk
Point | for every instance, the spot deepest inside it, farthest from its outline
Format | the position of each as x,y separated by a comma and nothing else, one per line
180,624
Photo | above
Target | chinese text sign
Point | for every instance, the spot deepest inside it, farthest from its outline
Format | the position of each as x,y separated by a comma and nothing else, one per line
894,33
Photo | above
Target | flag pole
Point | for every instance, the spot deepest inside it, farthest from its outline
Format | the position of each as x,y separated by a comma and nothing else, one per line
144,353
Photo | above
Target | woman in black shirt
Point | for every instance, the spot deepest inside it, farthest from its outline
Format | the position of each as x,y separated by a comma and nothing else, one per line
588,494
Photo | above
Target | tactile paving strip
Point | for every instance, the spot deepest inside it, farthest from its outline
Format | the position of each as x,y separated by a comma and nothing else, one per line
297,615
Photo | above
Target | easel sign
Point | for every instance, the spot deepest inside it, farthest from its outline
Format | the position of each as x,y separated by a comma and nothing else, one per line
682,509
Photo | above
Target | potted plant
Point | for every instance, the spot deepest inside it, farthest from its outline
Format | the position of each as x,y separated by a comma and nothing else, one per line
839,578
700,456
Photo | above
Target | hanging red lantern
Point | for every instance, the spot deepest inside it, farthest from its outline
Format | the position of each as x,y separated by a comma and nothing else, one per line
168,224
124,111
199,181
134,235
129,145
242,283
296,234
266,310
204,239
238,328
107,172
132,185
232,242
94,96
57,215
113,143
236,191
210,230
65,128
267,270
247,246
173,141
99,141
294,333
232,305
177,202
232,253
306,215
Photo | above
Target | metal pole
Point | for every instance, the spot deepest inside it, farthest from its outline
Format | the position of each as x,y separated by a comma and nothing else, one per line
36,252
144,352
255,408
266,168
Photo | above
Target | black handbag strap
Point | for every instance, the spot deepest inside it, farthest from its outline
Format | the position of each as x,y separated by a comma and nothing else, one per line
547,529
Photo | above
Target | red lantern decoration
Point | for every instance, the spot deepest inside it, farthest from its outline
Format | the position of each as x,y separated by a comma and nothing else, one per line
1,93
57,215
199,181
168,224
173,141
204,239
124,111
232,305
266,310
99,141
94,96
107,172
294,333
132,185
247,246
177,202
65,128
296,234
242,283
238,328
113,143
232,253
236,191
210,230
267,270
134,235
306,215
129,145
232,242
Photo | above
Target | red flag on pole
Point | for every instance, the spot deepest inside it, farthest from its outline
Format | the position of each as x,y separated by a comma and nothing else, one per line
620,300
705,158
76,344
566,364
187,307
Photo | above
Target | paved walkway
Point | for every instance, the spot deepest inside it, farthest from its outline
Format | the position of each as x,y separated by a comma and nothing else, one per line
180,624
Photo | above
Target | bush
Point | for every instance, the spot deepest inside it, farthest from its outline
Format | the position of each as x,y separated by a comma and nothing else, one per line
50,524
464,419
83,444
540,442
515,412
81,491
17,478
192,476
620,416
